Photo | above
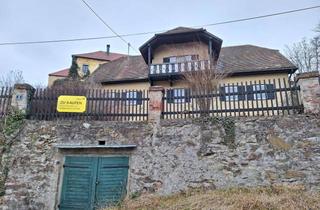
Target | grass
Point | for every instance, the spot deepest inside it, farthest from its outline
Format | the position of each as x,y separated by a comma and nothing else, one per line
261,198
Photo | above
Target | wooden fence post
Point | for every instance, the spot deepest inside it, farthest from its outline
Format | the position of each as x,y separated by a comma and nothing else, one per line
309,83
21,96
155,103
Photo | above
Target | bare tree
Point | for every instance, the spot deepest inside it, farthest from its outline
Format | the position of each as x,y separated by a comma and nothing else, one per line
203,78
306,53
11,78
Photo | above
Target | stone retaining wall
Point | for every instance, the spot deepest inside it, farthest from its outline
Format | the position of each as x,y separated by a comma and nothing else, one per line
171,156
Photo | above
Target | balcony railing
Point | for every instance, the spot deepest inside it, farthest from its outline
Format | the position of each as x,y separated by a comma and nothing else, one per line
177,68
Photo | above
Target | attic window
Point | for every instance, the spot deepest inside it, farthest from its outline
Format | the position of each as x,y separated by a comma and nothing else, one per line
180,59
85,69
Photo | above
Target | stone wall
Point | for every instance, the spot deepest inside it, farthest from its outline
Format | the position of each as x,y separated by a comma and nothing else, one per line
170,156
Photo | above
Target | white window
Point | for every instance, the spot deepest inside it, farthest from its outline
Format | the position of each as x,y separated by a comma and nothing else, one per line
231,90
180,93
131,97
85,69
259,95
180,59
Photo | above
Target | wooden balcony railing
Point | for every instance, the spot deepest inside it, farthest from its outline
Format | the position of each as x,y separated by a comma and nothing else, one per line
177,68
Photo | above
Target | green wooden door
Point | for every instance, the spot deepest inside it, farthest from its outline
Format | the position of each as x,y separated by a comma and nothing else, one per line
93,182
112,180
78,183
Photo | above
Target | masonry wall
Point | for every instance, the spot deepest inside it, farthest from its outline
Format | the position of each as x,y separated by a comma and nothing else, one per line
171,156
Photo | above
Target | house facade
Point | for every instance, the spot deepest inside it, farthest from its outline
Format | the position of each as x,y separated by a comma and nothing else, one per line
167,56
87,63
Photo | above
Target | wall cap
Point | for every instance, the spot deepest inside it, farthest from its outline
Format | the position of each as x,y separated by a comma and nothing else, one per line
306,75
156,88
23,86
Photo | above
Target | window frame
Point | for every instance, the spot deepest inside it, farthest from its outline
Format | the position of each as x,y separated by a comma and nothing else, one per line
181,92
261,95
87,68
131,97
231,95
193,57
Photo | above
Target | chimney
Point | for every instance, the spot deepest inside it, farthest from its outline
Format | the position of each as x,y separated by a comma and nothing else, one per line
108,49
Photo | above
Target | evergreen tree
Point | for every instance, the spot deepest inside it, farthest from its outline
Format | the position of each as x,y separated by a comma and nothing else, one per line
73,71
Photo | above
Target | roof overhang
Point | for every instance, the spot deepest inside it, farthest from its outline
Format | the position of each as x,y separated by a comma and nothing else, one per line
124,81
182,37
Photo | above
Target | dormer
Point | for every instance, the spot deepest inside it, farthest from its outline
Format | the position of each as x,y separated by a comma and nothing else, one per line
172,52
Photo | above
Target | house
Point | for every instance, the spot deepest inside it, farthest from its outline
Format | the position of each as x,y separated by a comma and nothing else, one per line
167,55
87,63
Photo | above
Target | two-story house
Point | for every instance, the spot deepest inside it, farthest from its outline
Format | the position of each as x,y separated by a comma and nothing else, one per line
87,63
167,55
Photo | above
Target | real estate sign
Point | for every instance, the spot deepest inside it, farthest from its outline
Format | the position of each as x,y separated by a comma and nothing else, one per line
73,104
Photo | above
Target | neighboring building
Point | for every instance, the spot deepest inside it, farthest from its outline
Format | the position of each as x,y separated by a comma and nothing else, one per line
87,62
167,55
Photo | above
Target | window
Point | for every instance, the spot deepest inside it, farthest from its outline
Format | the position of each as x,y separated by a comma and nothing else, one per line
180,59
259,95
85,69
133,97
178,95
232,93
263,91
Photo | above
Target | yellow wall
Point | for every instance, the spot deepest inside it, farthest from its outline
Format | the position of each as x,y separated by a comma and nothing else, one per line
183,84
231,80
51,79
128,86
190,48
93,64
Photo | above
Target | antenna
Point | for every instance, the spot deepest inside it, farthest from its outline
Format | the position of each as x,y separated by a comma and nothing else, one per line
129,45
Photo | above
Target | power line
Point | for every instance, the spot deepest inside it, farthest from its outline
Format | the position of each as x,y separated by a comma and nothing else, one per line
158,31
259,17
107,25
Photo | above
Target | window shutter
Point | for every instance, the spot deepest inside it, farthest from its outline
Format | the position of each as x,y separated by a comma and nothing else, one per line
187,95
250,92
222,93
194,57
123,95
241,93
270,91
170,96
166,60
139,97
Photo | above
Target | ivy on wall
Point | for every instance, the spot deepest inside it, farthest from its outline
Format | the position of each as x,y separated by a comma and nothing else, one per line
10,127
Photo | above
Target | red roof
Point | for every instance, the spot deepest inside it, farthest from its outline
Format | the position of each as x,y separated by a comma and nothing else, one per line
61,73
100,55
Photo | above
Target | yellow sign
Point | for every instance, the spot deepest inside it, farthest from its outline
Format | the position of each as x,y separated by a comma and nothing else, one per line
76,104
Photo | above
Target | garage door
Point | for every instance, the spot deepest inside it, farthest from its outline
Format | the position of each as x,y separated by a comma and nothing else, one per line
93,182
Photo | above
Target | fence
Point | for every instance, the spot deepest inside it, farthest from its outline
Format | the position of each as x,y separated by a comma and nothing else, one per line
101,105
262,98
5,100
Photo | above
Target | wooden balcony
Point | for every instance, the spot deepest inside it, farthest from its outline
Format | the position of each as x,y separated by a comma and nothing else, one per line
161,71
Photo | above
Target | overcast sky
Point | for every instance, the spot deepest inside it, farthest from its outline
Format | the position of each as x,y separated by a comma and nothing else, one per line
35,20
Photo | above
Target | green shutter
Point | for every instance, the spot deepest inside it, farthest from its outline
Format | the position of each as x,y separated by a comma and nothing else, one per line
250,92
78,183
170,96
222,93
139,97
241,93
270,91
112,180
